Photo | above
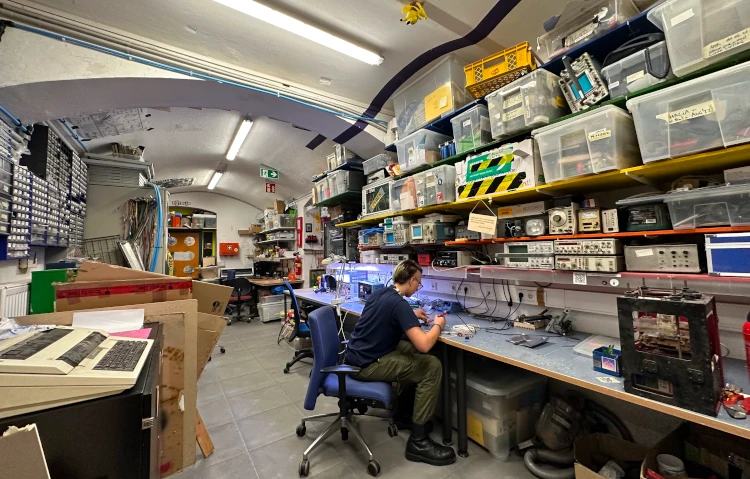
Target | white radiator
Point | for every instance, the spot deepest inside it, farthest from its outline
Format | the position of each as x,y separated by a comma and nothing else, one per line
14,300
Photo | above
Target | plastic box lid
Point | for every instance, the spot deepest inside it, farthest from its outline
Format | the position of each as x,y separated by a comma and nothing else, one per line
506,383
707,192
620,85
608,109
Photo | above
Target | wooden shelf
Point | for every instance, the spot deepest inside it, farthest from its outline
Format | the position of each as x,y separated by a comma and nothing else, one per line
346,197
702,163
276,230
275,241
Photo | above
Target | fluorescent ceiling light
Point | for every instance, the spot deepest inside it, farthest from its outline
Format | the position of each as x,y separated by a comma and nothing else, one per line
239,139
292,25
217,176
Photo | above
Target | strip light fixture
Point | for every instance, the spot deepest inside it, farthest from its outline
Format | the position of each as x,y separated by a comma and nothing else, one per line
215,179
297,27
239,138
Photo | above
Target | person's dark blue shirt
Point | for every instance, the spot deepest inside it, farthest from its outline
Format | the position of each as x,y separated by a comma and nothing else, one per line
384,320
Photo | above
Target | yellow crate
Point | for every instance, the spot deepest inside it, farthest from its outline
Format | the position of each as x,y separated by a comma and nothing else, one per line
495,71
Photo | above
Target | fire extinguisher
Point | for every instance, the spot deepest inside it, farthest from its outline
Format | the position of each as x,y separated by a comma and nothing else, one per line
297,265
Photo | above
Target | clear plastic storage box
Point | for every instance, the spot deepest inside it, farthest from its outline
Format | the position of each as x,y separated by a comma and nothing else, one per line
594,142
503,407
438,92
436,186
379,162
419,148
634,72
344,155
529,102
702,114
270,311
471,129
404,194
711,206
342,181
582,20
376,197
284,221
702,32
320,188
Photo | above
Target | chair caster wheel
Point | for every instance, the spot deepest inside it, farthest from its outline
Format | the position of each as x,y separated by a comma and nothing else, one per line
223,350
301,430
373,468
392,430
344,434
304,468
286,370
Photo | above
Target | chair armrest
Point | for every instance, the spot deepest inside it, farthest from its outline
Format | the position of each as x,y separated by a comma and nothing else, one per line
346,341
341,369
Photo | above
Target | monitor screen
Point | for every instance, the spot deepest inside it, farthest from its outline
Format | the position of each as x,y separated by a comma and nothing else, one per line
416,232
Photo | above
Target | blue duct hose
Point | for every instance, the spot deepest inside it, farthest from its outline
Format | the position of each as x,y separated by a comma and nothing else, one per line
159,231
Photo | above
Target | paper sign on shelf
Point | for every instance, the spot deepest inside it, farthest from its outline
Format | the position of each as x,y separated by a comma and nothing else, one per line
482,223
579,278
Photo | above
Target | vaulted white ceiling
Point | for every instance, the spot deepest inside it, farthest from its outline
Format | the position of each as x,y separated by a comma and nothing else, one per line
189,142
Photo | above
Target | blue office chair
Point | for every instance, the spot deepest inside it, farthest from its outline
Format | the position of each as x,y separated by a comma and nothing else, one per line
332,379
301,330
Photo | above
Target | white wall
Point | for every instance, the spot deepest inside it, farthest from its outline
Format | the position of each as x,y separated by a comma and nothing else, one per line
231,215
10,273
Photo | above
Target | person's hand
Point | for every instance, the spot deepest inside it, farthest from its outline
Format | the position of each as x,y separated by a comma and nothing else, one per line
421,314
440,321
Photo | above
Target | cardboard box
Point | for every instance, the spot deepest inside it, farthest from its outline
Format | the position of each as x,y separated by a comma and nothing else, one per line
209,261
255,229
22,453
179,376
210,328
506,168
209,272
212,298
592,449
701,447
279,207
101,294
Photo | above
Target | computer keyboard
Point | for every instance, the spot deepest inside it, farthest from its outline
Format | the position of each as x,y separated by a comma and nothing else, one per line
123,356
29,347
80,351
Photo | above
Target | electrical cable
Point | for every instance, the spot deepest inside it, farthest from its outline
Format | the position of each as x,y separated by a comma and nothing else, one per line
182,71
74,135
13,119
159,230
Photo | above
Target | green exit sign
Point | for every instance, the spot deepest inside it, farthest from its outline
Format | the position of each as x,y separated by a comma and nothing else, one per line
269,173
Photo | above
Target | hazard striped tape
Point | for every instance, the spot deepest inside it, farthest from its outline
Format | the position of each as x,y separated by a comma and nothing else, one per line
489,186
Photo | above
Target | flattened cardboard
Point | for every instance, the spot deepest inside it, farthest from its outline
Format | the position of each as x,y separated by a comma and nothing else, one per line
179,373
23,456
592,446
212,298
101,294
210,328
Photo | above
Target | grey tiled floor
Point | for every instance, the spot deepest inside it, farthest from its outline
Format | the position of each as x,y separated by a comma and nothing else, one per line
251,410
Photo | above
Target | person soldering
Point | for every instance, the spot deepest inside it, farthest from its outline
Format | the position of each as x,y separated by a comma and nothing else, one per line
376,347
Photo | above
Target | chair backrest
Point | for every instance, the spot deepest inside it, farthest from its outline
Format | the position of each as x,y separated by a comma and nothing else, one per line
295,307
241,286
231,274
325,343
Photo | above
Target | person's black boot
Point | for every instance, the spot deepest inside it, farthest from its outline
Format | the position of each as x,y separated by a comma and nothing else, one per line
420,448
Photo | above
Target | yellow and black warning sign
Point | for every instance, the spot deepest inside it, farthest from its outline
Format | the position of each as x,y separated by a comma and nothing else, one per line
489,186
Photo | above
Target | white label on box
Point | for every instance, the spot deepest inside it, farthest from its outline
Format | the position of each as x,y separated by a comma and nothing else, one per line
579,35
635,76
600,134
443,102
467,123
482,223
685,114
579,278
614,85
676,20
513,100
498,116
410,154
515,113
726,44
644,252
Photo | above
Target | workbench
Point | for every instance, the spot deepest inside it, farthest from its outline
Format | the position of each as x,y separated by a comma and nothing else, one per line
555,359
